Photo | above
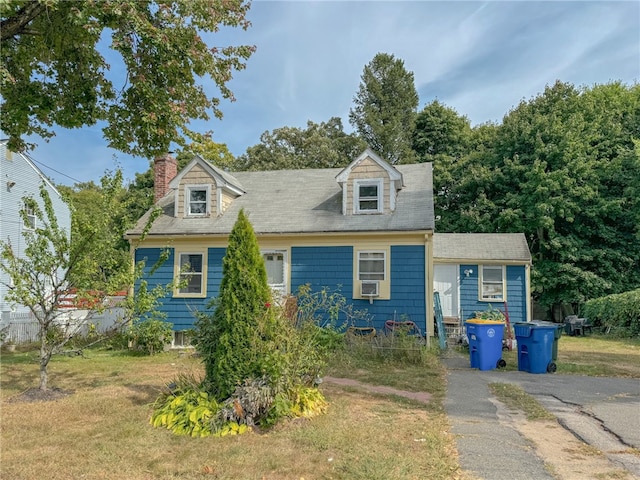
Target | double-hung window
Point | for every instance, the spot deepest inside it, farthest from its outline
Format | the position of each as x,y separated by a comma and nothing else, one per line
191,274
492,282
197,200
30,218
368,195
371,266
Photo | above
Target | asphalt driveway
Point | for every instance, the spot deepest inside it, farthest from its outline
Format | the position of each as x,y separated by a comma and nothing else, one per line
601,411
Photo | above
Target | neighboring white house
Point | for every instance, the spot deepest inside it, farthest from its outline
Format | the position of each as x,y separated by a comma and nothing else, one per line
19,178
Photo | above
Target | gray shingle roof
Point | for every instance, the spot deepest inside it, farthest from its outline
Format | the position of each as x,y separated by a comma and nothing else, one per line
304,201
507,247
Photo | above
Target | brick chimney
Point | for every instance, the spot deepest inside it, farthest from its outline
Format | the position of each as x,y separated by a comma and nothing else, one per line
165,168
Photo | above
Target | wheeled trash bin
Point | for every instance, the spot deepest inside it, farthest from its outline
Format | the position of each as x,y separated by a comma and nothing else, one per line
558,333
537,346
485,343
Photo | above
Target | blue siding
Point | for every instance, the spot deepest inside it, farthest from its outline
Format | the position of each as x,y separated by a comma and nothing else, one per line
332,267
516,293
321,267
407,288
180,310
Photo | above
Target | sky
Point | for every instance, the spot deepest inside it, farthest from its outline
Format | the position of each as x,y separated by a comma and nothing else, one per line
480,58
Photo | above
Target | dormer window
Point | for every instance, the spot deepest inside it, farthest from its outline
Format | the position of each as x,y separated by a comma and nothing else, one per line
197,200
368,196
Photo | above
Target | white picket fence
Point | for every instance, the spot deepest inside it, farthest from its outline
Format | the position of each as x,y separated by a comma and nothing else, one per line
22,327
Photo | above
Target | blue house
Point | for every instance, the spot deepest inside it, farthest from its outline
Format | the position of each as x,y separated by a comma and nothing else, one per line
366,230
475,271
20,178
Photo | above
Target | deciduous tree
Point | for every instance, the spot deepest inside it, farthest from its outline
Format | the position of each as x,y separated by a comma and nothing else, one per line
563,168
58,266
440,130
320,145
55,69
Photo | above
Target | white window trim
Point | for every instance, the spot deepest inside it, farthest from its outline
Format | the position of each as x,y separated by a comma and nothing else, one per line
357,183
481,296
187,200
283,288
384,287
31,216
203,275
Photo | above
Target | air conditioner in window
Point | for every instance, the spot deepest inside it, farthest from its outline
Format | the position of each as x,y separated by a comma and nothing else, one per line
369,289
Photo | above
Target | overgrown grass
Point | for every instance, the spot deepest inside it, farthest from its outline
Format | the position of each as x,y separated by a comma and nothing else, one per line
513,396
417,369
102,430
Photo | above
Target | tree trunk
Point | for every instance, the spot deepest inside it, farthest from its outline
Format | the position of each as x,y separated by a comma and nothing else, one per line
45,356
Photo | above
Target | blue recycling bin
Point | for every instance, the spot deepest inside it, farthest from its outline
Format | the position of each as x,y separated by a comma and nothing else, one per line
536,342
485,343
558,333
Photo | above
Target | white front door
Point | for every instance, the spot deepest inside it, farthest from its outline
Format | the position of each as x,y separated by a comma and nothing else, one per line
446,281
275,262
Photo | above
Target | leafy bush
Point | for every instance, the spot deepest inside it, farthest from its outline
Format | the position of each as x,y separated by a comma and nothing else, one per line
151,335
307,402
263,360
186,413
490,313
330,339
619,314
118,340
249,403
185,409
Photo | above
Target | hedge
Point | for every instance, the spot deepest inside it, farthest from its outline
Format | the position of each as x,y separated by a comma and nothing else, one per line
618,314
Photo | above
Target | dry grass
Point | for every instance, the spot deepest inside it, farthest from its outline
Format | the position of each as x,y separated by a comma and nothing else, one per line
102,430
593,355
599,356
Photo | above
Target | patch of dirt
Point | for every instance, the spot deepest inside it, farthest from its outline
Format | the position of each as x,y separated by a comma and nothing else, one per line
422,397
570,458
37,395
566,457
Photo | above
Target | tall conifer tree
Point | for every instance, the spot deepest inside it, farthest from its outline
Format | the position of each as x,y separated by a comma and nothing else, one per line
385,108
227,338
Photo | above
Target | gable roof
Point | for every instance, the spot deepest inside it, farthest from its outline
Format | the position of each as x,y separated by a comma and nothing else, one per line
394,175
222,178
29,161
303,201
461,247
